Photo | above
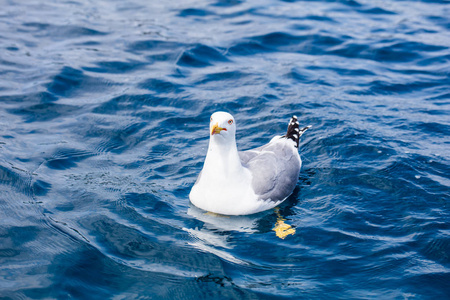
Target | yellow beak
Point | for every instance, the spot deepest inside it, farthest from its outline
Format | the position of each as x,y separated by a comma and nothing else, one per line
215,129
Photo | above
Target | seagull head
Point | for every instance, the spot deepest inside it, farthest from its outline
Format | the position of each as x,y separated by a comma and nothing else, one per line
222,126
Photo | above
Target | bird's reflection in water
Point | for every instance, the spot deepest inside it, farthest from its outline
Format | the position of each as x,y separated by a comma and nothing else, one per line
213,232
217,222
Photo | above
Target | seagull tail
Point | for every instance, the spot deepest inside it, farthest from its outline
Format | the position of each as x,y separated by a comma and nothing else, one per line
294,132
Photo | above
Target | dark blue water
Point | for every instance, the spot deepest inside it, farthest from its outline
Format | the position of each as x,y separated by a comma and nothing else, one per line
104,112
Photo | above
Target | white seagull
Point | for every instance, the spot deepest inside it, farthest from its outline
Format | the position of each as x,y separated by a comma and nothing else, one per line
236,182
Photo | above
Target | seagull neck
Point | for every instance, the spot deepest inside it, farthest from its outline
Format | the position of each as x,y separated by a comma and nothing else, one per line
224,155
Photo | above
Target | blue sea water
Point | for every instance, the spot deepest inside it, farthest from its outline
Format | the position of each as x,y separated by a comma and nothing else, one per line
104,112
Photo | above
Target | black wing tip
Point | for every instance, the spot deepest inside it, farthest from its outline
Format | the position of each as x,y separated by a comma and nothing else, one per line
294,132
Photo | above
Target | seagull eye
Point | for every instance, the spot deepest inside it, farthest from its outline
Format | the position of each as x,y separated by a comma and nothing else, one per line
210,119
230,121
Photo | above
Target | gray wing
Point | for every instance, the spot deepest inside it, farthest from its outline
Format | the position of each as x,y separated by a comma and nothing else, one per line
275,169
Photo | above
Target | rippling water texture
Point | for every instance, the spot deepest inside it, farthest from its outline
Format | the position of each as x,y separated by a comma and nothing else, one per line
104,109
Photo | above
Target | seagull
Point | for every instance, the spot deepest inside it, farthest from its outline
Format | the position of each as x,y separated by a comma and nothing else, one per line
236,182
